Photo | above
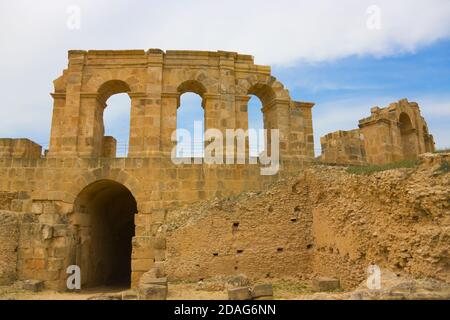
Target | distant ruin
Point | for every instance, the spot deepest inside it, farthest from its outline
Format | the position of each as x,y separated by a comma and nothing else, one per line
390,134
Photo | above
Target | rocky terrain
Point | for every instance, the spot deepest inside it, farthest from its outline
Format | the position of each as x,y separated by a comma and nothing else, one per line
323,222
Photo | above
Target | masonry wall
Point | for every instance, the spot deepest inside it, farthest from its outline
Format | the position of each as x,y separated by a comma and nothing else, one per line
19,148
9,238
263,235
343,147
44,190
397,219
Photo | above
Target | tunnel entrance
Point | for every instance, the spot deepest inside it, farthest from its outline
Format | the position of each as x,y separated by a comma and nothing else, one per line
104,218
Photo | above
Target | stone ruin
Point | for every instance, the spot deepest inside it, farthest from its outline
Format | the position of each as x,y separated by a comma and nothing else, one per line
390,134
78,204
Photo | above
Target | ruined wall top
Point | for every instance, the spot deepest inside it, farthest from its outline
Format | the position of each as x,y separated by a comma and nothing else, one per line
393,113
155,80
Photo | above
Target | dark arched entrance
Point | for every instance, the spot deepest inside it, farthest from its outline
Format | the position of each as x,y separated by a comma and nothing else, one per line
104,218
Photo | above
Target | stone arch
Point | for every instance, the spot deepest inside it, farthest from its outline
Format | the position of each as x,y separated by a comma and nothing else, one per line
407,133
266,86
193,86
194,148
103,220
93,82
112,87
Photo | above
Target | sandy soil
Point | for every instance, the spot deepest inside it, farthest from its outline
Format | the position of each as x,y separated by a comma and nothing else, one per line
179,291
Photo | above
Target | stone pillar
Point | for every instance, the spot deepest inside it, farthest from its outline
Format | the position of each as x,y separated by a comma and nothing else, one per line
241,107
306,108
57,130
276,116
213,120
139,124
91,127
169,106
64,141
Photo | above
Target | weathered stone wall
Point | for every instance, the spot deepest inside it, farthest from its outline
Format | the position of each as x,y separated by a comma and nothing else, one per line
52,228
9,241
390,134
263,235
397,219
44,191
19,148
343,147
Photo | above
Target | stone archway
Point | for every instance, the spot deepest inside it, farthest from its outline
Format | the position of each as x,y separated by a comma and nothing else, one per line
104,219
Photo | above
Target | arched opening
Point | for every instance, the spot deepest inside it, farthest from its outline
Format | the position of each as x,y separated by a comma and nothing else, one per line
116,121
113,119
256,139
190,120
104,218
407,133
261,96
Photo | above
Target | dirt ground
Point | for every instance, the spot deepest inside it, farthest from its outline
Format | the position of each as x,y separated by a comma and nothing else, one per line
177,291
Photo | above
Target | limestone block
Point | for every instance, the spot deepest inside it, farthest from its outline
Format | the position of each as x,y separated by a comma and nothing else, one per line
33,285
242,293
262,290
152,292
325,284
47,232
130,295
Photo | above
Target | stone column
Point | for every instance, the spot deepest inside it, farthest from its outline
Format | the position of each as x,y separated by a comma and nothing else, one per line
169,106
56,135
138,125
91,127
306,108
241,103
213,120
64,140
276,116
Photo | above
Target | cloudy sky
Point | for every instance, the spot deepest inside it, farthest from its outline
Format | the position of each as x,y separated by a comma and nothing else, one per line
346,56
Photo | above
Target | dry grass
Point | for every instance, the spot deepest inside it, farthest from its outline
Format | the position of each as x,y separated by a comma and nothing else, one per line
383,167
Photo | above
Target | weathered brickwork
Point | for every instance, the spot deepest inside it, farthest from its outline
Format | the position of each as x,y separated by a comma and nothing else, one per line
321,222
390,134
79,204
343,147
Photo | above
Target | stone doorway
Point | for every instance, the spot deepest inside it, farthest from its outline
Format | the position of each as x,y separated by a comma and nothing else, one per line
104,223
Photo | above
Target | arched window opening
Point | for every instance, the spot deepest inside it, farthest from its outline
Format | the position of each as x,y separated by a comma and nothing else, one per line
256,139
116,119
190,126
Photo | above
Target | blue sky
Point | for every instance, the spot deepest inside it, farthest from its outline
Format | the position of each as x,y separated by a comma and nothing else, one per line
344,90
323,51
